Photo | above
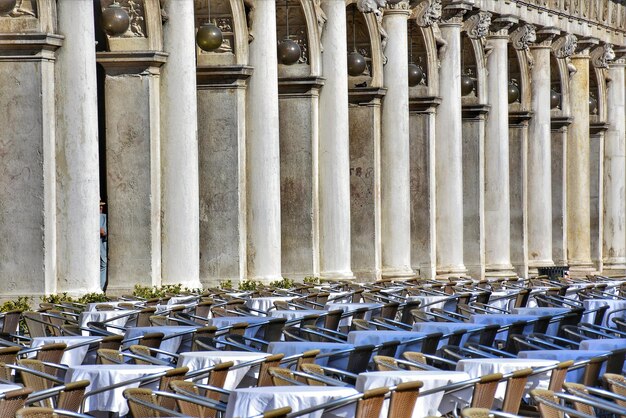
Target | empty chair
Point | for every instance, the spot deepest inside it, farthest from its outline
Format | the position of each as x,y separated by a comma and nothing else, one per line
12,401
403,399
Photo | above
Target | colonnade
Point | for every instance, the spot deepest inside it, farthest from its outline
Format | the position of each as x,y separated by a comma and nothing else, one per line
506,156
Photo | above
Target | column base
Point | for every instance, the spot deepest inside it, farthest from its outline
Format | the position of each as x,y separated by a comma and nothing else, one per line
581,269
446,272
500,271
338,275
119,290
533,266
265,279
190,284
401,273
614,267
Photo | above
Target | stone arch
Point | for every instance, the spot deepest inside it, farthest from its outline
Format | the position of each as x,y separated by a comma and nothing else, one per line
369,29
425,35
231,16
306,23
474,63
598,78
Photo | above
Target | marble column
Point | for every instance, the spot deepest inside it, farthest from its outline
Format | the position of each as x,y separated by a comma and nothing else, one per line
539,211
497,188
395,151
133,167
180,231
577,171
262,149
78,187
614,234
448,155
27,163
334,146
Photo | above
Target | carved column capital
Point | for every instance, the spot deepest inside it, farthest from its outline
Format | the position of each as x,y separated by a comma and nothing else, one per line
477,26
545,36
427,13
601,55
500,25
523,37
565,46
454,10
397,6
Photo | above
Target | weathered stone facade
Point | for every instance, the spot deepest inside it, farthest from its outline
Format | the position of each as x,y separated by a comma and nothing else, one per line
506,155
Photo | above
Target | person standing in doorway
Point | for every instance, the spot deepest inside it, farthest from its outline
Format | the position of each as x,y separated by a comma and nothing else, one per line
103,246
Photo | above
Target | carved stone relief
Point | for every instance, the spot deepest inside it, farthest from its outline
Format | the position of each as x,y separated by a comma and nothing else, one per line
477,26
564,47
521,38
601,56
24,8
137,14
374,6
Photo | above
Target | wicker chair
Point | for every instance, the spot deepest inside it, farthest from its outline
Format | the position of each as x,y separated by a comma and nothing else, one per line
10,323
109,356
315,370
282,376
188,408
306,358
415,357
485,391
558,375
51,353
576,389
265,379
8,355
36,381
12,401
112,342
370,405
545,409
140,410
403,399
35,412
152,339
165,385
476,413
515,388
616,383
202,334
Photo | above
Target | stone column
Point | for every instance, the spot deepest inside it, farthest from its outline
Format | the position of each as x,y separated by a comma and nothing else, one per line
448,154
577,170
395,168
27,162
263,163
78,187
133,167
614,234
539,161
497,190
180,231
334,155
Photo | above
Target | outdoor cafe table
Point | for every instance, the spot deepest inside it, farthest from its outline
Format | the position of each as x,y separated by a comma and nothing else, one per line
71,356
427,302
102,316
606,344
265,303
574,376
289,314
254,323
171,345
196,360
502,320
614,304
445,328
348,307
357,338
483,366
247,402
289,348
434,404
92,305
101,376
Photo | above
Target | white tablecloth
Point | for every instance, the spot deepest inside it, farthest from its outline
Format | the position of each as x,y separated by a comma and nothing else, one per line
101,316
295,313
101,376
481,367
265,303
498,299
445,328
607,344
196,360
71,356
289,348
8,388
502,320
347,307
254,323
438,302
613,304
563,355
171,345
378,337
435,404
252,401
92,306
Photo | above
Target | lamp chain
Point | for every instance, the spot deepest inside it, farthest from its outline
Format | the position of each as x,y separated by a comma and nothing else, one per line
287,11
353,31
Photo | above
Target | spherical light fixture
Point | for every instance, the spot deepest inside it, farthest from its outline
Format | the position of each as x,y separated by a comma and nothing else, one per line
416,75
593,105
6,6
209,37
115,20
513,92
356,64
467,85
288,52
555,99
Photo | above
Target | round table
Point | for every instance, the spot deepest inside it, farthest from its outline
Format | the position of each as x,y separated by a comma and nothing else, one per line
265,303
197,360
171,345
347,307
435,404
247,402
102,316
71,356
101,376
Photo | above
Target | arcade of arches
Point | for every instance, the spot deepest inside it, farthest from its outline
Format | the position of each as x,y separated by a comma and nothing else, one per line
503,153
